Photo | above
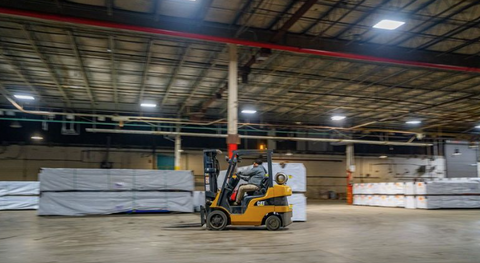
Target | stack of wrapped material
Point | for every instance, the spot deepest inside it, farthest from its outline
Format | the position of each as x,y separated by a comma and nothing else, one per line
77,192
433,194
19,195
379,194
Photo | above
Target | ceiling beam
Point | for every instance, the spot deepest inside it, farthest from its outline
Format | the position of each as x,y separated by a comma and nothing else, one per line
18,72
46,64
76,51
148,59
113,68
183,56
216,32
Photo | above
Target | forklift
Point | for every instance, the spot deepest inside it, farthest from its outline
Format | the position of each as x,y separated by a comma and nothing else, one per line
267,206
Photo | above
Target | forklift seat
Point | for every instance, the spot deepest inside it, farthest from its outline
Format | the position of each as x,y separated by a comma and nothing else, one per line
258,193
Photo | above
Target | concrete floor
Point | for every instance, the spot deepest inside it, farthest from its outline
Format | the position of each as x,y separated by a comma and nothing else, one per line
334,233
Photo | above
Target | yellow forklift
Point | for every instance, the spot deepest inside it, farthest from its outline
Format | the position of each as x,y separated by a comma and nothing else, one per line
267,206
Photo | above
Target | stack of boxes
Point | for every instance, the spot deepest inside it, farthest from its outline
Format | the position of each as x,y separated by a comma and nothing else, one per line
434,194
18,195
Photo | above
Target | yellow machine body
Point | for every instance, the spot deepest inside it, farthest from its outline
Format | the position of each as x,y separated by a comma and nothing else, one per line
256,210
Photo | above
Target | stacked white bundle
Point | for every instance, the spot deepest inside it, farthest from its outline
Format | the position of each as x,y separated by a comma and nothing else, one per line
103,203
64,179
434,194
447,187
101,191
198,200
444,201
393,188
18,195
299,207
19,188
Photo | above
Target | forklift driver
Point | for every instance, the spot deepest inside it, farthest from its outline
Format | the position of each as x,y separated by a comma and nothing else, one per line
254,178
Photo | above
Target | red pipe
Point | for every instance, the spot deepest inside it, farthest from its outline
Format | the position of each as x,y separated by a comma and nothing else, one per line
64,19
232,147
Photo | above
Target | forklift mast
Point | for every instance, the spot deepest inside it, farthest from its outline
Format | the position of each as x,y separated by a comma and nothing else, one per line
211,172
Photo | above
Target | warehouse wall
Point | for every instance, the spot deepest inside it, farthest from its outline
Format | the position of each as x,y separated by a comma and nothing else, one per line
325,173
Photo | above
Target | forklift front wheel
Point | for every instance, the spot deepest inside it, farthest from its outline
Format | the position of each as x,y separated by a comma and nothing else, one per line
273,222
217,220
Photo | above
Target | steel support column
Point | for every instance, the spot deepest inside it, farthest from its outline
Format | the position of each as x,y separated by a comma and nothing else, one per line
232,140
350,167
178,151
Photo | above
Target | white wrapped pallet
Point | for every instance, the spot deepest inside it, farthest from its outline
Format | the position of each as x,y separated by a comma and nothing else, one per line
396,188
358,199
410,188
64,179
447,201
18,202
359,189
19,188
299,207
410,202
369,200
372,188
447,187
102,203
198,199
376,201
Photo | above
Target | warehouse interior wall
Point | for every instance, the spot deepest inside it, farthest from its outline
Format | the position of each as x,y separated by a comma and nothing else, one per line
324,172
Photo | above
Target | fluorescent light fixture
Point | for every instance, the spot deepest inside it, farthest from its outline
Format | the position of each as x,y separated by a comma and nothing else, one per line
37,138
148,105
337,117
24,97
388,24
413,122
249,111
383,157
477,127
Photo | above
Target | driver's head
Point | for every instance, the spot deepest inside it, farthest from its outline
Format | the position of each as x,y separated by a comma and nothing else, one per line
257,162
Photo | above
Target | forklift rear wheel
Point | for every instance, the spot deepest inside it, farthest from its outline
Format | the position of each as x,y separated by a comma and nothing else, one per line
273,222
217,220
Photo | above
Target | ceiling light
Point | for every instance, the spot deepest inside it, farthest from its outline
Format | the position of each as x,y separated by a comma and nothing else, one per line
388,24
24,97
477,127
337,118
37,138
16,125
413,122
383,157
148,105
249,111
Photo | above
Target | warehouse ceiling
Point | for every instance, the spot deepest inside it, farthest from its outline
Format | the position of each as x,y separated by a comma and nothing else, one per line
74,67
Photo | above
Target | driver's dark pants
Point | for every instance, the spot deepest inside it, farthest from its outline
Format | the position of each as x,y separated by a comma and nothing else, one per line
243,189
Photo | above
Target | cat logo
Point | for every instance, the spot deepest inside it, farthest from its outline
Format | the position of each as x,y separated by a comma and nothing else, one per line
261,203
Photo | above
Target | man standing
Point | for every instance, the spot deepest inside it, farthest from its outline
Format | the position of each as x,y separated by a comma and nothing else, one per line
254,177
